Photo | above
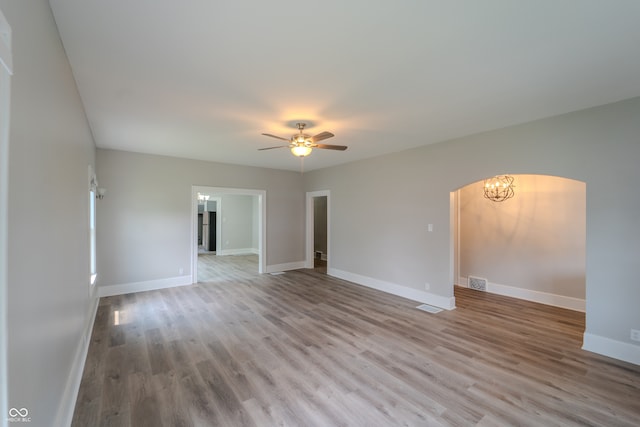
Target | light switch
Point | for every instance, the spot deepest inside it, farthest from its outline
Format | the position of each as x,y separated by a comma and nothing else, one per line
430,228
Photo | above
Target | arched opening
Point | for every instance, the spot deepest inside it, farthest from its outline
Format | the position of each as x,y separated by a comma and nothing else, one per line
532,246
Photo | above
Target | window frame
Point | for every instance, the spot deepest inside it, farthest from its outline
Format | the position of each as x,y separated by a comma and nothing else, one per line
93,192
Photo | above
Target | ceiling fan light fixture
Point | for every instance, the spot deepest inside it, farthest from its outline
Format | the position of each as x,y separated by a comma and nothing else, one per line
302,144
301,150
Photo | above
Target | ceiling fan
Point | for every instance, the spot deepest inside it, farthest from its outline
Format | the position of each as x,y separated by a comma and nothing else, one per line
301,144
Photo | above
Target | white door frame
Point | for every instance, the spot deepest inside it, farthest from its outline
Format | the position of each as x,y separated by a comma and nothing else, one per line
262,221
310,223
5,92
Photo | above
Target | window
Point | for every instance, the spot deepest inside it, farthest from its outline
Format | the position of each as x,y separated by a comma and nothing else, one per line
93,187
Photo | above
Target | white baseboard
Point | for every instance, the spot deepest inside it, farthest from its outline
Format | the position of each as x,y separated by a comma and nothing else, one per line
611,348
150,285
285,267
70,394
570,303
241,251
395,289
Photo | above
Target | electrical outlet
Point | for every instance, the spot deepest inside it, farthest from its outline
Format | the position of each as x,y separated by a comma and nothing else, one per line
427,286
635,335
181,270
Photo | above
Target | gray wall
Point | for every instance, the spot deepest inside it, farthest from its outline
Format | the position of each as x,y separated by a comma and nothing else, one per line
144,224
51,147
599,146
534,241
237,225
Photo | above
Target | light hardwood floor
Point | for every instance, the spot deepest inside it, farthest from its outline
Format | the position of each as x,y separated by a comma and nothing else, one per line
305,349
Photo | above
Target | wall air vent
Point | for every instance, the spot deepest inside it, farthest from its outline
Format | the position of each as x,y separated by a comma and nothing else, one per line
477,283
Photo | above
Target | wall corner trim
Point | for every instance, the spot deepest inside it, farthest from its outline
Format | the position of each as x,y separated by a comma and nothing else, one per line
611,348
448,303
149,285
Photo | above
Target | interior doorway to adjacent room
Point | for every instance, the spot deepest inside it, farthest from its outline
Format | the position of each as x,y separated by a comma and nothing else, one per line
228,231
317,251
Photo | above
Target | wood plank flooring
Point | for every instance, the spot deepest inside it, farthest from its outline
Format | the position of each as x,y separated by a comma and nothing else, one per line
305,349
213,268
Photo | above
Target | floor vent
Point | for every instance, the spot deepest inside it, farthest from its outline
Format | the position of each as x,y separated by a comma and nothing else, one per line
477,283
429,308
277,273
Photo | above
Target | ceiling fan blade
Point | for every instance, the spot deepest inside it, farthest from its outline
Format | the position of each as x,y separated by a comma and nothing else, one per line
276,137
271,148
321,136
331,147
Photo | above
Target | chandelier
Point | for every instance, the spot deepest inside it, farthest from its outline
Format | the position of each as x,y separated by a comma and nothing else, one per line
499,188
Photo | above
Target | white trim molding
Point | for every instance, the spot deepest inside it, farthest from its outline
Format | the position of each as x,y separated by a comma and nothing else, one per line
285,267
70,394
561,301
149,285
611,348
448,303
241,251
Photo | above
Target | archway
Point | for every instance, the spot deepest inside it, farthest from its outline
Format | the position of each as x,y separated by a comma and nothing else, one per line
531,247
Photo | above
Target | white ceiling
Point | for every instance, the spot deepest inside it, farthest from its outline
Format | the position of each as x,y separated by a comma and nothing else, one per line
203,79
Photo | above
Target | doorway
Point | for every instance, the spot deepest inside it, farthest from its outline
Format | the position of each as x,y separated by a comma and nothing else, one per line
317,231
229,216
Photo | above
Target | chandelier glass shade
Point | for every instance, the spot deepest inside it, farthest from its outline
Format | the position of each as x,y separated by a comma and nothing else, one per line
499,188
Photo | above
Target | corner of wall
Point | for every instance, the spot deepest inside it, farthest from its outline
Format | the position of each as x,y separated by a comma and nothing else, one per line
611,348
